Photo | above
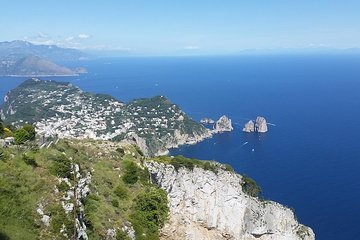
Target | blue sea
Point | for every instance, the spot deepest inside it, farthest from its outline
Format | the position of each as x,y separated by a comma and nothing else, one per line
310,159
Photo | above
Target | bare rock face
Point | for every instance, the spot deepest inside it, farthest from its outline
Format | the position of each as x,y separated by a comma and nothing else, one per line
207,121
206,205
223,125
261,125
249,126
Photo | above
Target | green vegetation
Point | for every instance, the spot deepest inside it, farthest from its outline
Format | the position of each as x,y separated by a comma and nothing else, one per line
20,136
121,191
29,159
120,235
132,172
30,130
2,154
61,166
150,213
189,163
28,178
250,187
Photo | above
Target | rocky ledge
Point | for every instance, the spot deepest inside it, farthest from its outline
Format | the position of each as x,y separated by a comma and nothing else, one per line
209,205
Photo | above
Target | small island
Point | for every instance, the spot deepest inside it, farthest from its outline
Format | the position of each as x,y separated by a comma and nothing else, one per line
207,121
259,125
223,124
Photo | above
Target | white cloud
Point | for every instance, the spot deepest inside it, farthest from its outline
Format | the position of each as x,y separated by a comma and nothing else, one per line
76,41
83,36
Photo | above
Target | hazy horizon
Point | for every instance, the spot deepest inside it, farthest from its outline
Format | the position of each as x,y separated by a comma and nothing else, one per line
185,28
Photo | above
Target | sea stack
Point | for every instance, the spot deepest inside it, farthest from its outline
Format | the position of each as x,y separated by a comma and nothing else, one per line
260,125
223,124
249,126
207,121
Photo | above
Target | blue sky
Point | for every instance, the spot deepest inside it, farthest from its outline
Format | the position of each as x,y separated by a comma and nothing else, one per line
163,27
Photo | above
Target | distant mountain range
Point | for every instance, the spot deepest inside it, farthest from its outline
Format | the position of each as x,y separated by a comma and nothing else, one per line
21,58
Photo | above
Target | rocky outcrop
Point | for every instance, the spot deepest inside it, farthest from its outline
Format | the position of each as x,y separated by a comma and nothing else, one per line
81,192
207,121
249,126
261,125
207,205
223,125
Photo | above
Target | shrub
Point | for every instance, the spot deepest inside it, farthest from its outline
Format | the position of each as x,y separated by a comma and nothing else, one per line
60,218
20,136
227,167
180,161
115,203
3,236
250,187
29,160
63,187
121,191
131,175
31,130
121,235
150,211
61,166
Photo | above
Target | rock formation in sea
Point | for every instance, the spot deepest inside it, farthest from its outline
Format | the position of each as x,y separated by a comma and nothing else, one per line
249,126
207,205
260,125
223,125
207,121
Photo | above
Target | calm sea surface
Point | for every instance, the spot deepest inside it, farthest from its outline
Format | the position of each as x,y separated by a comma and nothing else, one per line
309,161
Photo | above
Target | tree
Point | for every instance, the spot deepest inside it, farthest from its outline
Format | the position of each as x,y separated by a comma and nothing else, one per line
131,175
31,130
20,136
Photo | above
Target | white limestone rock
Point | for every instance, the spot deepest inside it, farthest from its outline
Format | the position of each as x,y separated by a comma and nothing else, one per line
249,126
223,124
204,205
207,121
261,125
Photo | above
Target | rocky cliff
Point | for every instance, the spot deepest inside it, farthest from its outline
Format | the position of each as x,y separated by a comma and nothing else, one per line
212,205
